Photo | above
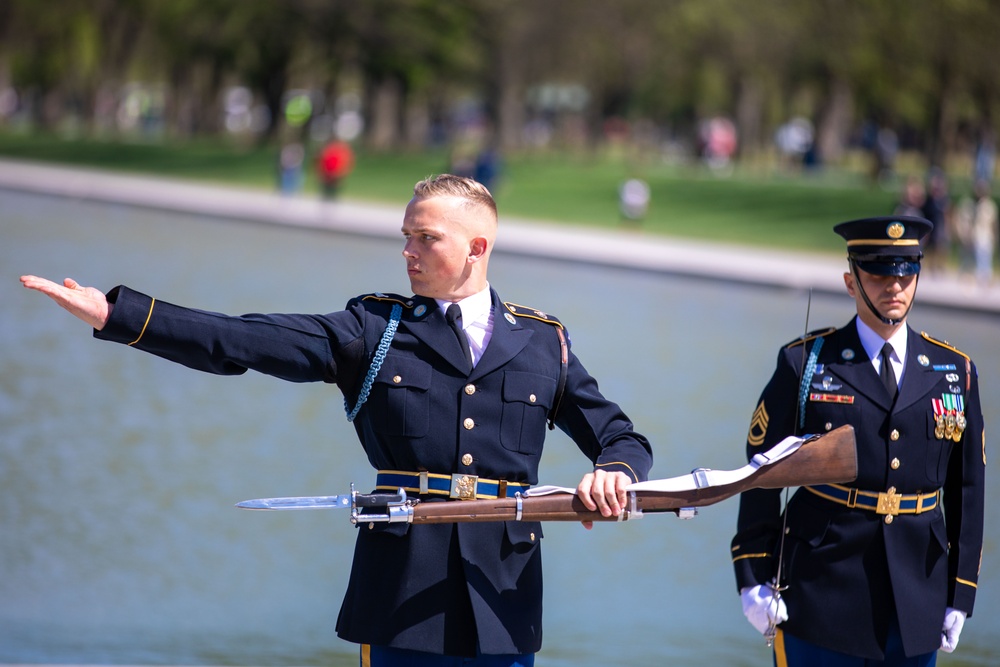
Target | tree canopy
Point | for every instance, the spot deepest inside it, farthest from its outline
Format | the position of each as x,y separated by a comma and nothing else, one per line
420,69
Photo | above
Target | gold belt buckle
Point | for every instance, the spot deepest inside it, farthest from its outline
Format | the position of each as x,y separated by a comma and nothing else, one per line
888,502
463,487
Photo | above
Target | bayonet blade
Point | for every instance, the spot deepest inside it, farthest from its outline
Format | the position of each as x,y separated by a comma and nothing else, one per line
298,503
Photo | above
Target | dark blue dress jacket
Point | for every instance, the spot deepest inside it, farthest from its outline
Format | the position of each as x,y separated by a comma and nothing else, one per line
446,589
848,570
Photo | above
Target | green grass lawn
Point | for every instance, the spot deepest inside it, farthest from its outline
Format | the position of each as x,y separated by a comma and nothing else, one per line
788,211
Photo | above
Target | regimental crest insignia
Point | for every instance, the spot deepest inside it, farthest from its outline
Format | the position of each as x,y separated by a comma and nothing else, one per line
758,426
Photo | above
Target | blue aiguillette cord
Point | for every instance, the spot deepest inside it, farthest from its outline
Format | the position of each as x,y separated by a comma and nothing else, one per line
383,347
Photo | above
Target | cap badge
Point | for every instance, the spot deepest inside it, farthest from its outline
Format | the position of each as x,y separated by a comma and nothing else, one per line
895,230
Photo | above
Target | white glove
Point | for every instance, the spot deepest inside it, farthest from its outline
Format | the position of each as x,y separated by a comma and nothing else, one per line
762,608
951,629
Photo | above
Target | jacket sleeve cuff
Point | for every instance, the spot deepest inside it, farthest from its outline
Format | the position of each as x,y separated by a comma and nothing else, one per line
129,318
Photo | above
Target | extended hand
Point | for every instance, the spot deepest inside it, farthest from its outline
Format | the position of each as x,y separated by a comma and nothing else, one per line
87,303
954,620
603,491
762,607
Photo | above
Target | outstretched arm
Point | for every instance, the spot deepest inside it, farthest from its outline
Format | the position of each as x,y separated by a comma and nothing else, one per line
86,303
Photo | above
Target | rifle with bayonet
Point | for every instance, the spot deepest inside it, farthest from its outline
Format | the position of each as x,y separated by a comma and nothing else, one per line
830,458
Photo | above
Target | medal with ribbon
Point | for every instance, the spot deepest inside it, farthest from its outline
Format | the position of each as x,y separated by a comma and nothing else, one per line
949,417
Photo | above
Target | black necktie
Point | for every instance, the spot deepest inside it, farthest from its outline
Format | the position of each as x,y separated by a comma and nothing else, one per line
454,317
886,373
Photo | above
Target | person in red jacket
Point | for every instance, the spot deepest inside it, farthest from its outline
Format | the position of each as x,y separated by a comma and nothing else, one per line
335,162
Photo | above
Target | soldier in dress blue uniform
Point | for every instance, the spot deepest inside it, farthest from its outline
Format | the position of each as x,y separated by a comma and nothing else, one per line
882,571
449,391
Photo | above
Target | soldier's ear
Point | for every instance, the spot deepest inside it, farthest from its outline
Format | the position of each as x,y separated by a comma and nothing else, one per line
849,283
477,248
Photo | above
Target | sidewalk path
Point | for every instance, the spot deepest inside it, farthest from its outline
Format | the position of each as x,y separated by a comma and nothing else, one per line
635,250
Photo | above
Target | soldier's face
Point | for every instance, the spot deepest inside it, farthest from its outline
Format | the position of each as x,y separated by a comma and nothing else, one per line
439,247
891,295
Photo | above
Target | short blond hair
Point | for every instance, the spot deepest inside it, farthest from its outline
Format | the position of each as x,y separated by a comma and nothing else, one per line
450,185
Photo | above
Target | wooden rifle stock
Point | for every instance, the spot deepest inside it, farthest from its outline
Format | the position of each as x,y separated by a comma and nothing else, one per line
827,459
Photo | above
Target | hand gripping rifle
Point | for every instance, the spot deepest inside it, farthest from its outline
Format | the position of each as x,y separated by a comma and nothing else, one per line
824,459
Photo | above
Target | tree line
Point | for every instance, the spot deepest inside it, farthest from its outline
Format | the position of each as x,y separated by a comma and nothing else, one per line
925,68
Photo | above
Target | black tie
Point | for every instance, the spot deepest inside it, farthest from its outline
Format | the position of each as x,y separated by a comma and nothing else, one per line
454,317
886,373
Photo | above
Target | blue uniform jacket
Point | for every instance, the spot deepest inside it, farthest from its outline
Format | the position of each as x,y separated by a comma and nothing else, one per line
847,569
437,588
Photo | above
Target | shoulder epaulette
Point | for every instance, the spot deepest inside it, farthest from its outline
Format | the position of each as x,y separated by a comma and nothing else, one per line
405,302
945,344
812,335
526,311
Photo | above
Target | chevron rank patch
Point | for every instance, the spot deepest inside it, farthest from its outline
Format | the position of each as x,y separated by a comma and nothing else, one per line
758,426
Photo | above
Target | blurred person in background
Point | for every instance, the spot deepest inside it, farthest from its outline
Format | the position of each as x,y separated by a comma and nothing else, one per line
976,225
290,168
937,209
911,198
334,163
633,200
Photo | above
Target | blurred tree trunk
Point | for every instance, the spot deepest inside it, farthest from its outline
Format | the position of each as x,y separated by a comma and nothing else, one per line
384,107
416,122
749,116
834,121
507,98
206,96
943,130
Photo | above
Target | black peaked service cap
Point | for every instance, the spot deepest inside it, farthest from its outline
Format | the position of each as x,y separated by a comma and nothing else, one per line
886,245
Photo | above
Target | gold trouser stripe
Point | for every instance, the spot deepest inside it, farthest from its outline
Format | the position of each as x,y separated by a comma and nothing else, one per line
780,659
967,583
366,655
146,323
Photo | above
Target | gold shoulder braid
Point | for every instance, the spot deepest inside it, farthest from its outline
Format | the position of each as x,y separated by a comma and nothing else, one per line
812,335
945,344
533,313
390,298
